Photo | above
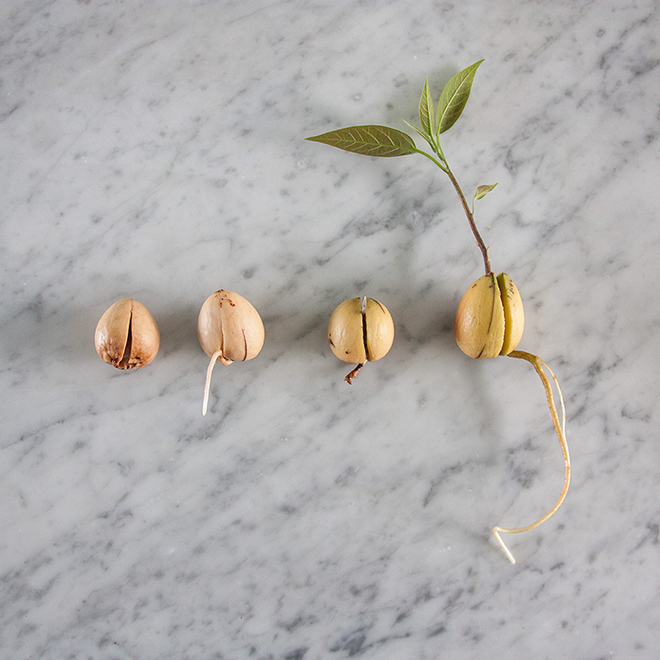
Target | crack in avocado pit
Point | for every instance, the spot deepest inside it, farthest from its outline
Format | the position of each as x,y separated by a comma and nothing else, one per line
124,363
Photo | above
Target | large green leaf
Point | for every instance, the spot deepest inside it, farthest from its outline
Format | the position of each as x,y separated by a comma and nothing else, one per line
454,97
369,140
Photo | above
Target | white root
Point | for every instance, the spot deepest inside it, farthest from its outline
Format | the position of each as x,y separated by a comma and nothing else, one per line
207,385
560,429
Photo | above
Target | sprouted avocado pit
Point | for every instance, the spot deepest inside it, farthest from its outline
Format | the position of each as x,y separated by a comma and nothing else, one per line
229,330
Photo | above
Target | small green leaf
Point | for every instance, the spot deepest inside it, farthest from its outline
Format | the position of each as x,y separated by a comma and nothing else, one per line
454,97
482,191
426,109
369,140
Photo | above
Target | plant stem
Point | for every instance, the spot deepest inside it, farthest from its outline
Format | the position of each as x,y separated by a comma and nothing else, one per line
444,166
470,218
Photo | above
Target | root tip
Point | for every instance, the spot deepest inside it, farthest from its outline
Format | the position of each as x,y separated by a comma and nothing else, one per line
507,552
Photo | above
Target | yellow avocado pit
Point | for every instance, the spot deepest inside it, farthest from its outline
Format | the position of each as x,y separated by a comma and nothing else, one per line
490,318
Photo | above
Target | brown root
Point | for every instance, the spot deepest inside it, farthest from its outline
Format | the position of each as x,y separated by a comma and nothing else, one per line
354,373
560,429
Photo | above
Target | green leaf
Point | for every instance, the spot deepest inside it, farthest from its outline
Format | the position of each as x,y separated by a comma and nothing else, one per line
369,140
454,97
482,191
426,109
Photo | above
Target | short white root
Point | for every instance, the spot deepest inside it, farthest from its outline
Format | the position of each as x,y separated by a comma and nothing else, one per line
207,385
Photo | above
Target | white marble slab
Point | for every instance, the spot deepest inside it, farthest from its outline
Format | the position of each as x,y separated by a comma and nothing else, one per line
155,150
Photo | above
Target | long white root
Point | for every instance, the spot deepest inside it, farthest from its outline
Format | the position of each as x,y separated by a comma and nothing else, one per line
560,429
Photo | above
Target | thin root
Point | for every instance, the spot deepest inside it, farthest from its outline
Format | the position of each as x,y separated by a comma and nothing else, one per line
560,429
207,385
353,374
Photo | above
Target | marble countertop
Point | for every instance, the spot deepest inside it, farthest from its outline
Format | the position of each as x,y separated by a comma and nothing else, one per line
155,150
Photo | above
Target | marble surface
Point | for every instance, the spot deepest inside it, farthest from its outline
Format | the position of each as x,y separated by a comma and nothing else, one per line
155,150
